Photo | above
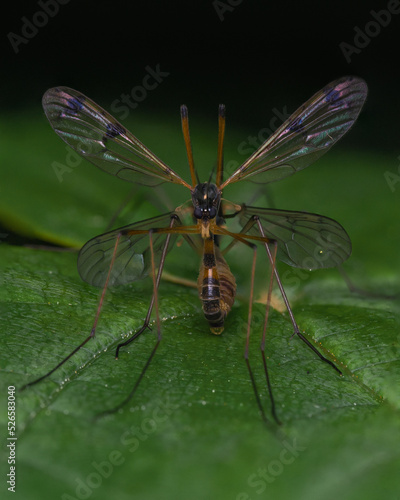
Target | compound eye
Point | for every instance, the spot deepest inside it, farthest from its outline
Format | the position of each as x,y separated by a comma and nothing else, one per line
198,213
212,212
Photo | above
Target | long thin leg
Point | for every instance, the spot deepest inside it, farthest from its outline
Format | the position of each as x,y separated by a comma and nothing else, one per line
264,334
249,224
100,305
246,349
365,293
154,301
158,198
155,288
121,207
93,331
285,299
245,229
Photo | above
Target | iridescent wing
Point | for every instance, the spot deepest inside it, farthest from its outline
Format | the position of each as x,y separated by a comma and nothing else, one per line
101,139
307,134
305,240
133,258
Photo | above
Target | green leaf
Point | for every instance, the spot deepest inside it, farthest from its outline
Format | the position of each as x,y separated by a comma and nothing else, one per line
193,429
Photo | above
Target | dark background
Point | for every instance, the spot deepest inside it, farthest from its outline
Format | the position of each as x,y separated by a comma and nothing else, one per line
260,55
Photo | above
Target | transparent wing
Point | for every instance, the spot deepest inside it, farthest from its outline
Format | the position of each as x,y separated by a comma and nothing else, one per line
101,139
133,258
307,134
305,240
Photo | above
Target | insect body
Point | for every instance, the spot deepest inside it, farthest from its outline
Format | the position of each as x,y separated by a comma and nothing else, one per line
217,286
216,283
133,252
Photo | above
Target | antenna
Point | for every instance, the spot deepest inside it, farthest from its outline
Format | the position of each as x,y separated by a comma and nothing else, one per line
221,134
188,144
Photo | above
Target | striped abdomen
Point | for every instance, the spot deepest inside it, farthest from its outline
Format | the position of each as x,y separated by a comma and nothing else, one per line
217,286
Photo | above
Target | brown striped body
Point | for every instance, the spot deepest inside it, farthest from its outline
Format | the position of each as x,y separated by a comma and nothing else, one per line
216,285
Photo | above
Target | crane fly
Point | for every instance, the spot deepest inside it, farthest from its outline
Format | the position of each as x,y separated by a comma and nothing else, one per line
133,252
